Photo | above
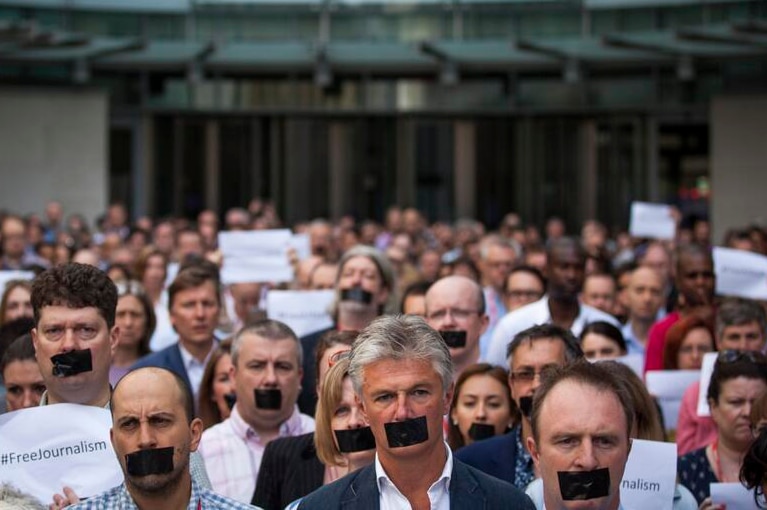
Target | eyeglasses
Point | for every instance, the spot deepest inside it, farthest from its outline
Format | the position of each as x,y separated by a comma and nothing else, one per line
733,355
529,375
455,313
524,294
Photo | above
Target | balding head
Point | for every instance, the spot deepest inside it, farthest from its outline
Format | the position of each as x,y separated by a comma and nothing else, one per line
150,382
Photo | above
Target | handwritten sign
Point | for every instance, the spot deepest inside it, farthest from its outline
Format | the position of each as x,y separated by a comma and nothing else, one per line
740,273
652,220
42,449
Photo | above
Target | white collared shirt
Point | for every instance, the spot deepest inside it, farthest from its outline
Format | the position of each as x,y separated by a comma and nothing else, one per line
439,493
194,367
534,314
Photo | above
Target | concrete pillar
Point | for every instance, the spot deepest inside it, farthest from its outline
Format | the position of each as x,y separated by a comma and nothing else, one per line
465,169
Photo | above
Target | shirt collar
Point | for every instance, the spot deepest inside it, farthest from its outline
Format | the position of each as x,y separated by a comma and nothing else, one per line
241,428
44,400
191,361
382,479
126,501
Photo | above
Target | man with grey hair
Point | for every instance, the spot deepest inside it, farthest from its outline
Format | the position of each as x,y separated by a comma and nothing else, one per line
531,352
365,288
403,377
266,370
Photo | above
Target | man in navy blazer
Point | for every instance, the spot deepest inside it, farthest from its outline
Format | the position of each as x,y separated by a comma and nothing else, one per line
530,352
402,374
193,305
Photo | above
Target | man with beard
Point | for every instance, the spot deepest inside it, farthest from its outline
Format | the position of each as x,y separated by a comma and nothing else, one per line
560,306
365,288
532,352
153,433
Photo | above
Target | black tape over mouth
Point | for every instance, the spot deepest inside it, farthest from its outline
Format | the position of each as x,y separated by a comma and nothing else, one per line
455,339
268,398
480,431
230,399
153,461
355,440
583,485
406,433
72,363
526,406
358,295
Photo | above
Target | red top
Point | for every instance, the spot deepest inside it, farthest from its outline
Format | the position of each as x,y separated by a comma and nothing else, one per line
656,340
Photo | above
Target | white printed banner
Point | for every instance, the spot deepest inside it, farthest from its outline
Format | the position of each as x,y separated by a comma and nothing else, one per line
668,386
42,449
650,476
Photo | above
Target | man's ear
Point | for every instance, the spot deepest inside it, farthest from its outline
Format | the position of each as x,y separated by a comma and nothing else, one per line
114,337
195,428
533,449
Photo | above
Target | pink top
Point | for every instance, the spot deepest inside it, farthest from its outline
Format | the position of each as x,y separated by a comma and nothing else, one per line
692,431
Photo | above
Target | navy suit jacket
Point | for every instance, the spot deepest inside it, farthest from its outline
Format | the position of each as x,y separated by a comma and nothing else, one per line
495,456
469,489
169,358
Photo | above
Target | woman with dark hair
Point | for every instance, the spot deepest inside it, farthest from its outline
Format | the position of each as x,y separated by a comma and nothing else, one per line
687,341
753,473
482,406
602,340
135,320
216,398
152,270
738,380
16,301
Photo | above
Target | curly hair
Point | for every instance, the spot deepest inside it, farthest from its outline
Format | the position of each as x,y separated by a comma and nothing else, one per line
75,286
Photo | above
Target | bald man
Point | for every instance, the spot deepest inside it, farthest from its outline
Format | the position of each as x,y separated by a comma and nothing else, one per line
455,306
645,295
153,434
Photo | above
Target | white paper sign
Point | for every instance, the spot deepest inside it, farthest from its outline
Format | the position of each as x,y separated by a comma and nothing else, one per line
301,243
706,369
42,449
6,276
668,386
740,273
634,361
650,476
652,220
733,495
255,256
305,311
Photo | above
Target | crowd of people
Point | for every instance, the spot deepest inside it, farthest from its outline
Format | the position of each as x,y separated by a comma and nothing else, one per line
464,366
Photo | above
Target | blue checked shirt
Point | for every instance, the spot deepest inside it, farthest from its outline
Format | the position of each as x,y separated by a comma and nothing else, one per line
118,498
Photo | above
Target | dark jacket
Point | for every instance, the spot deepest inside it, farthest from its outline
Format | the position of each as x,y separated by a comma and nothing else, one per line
307,399
290,469
169,358
469,489
496,456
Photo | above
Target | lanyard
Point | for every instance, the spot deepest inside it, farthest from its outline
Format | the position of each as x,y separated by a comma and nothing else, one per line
717,461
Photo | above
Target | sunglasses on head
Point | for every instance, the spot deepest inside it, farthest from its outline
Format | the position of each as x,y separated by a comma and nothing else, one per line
335,358
732,355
